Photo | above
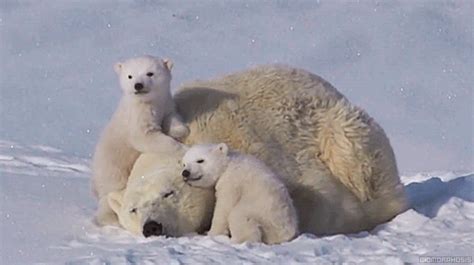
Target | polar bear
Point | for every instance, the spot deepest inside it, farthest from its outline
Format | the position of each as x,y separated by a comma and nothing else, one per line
135,127
158,202
335,160
252,204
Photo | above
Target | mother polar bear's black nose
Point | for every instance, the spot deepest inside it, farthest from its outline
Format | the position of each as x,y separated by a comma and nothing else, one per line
186,174
152,228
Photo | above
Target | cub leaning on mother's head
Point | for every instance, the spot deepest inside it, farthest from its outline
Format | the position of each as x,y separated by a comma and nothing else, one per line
335,160
252,205
135,127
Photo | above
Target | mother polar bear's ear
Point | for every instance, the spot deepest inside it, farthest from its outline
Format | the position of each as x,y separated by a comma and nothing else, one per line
115,200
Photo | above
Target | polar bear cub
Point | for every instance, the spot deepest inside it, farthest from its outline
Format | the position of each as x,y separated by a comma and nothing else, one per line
145,114
252,204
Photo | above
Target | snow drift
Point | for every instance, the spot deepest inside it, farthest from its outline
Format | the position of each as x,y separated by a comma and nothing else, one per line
47,208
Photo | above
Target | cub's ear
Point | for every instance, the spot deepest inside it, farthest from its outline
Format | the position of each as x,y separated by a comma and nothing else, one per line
168,64
118,68
115,200
223,148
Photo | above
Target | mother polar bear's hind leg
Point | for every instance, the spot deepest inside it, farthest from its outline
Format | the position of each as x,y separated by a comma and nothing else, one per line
357,151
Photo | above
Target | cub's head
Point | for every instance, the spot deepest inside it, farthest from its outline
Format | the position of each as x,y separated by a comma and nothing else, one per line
145,77
204,164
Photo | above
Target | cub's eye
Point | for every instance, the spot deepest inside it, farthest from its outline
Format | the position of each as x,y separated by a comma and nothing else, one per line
129,77
150,74
200,161
134,210
166,195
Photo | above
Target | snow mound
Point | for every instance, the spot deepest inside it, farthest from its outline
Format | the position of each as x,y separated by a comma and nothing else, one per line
47,207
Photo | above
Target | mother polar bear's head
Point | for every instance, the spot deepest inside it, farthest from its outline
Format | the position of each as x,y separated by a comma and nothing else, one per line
160,203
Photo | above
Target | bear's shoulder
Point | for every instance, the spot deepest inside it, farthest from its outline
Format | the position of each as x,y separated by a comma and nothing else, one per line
258,87
262,76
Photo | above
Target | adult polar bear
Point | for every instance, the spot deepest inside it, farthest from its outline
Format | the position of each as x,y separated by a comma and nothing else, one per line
336,161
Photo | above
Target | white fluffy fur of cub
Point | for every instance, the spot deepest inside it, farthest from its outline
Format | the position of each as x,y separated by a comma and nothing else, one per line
145,115
253,205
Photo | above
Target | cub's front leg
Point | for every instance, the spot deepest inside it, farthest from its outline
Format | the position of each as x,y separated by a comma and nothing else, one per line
174,126
220,222
155,141
227,198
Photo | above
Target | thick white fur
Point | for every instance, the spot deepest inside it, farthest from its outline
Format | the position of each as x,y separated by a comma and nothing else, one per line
334,159
157,192
252,203
135,127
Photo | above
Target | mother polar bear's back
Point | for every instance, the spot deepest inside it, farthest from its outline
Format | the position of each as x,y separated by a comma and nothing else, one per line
334,158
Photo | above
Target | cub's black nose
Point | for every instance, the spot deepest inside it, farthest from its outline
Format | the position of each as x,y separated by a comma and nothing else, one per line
186,174
138,86
152,228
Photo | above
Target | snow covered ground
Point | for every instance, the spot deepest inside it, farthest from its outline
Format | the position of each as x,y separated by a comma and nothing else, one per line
408,62
45,218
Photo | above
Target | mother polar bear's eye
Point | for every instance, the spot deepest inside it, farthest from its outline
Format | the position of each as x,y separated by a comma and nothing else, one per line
169,193
133,210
